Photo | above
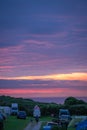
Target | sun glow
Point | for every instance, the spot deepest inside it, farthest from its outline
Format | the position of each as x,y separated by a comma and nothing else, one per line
71,76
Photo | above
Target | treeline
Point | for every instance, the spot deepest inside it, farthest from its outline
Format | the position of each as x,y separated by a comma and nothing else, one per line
75,106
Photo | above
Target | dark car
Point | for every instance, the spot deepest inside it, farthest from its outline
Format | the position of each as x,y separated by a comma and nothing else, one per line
21,115
52,124
65,118
1,122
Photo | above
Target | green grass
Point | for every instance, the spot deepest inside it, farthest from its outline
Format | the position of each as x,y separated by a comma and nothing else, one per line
71,129
12,123
46,119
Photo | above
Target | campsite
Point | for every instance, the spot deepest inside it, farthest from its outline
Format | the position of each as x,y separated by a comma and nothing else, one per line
50,114
43,64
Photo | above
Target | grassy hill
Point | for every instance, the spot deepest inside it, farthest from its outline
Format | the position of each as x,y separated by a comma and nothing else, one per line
25,104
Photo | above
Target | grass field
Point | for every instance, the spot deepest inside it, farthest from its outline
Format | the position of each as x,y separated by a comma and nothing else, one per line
71,129
46,119
12,123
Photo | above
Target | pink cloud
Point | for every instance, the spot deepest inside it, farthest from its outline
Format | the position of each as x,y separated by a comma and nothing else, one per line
54,92
39,43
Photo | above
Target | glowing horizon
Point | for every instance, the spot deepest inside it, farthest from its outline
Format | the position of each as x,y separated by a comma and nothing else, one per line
53,92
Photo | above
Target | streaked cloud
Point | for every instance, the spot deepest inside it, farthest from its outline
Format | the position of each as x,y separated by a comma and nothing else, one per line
42,44
53,92
72,76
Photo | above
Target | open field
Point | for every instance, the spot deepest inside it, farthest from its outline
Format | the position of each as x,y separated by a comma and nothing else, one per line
45,119
12,123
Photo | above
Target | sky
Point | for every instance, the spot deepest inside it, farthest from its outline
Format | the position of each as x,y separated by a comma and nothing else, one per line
43,48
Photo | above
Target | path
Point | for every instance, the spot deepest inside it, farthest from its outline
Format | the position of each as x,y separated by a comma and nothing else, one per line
33,126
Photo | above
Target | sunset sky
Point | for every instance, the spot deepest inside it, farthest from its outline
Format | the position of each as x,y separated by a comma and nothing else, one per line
43,48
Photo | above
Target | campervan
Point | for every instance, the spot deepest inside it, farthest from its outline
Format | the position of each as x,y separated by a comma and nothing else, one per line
64,116
14,108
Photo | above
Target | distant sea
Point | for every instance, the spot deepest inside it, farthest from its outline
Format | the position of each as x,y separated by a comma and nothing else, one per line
58,100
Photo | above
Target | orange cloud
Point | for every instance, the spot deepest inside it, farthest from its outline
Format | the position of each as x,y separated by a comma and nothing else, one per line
71,76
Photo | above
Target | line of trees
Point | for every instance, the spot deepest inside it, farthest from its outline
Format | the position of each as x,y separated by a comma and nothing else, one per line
75,106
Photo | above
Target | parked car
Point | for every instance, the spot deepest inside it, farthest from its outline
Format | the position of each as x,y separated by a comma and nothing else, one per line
52,124
21,115
14,108
65,118
63,112
1,122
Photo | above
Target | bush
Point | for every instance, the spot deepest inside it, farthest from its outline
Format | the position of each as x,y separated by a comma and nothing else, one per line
55,128
59,128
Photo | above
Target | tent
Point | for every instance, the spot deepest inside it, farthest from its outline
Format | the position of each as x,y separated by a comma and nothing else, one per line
82,125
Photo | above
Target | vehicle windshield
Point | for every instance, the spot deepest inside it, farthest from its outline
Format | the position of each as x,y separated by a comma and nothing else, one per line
64,117
22,112
14,108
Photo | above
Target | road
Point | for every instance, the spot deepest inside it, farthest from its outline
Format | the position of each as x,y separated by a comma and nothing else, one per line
33,126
